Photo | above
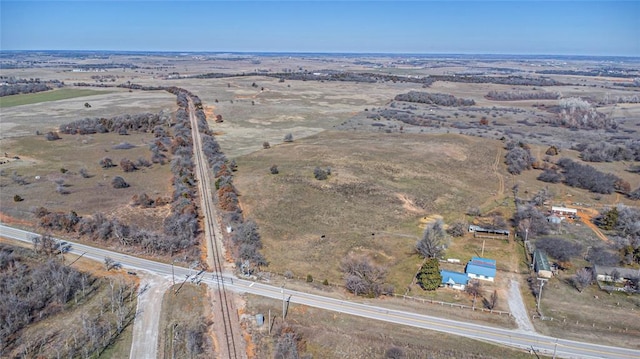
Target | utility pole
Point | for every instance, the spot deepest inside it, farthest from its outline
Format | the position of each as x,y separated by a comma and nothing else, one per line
482,255
283,303
173,276
542,282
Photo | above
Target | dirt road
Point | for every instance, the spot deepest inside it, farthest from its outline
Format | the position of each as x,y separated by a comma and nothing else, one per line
586,215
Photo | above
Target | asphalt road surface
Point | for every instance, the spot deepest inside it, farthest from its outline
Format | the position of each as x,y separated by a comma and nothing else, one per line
513,338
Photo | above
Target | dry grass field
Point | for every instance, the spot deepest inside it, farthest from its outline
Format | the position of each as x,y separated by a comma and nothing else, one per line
41,162
180,313
380,187
46,115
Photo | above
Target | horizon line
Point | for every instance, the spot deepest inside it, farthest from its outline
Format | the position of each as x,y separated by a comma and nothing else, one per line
326,53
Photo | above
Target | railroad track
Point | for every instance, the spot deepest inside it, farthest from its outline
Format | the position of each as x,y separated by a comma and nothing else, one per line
214,246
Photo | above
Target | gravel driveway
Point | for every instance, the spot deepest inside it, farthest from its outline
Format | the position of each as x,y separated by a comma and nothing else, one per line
518,309
145,328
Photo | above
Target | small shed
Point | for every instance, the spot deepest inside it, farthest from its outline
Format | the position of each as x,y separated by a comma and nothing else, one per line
481,268
553,219
260,319
541,264
454,280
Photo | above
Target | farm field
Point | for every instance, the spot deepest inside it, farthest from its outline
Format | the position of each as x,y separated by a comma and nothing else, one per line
47,96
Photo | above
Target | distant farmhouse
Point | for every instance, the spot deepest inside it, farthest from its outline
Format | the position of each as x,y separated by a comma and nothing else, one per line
563,212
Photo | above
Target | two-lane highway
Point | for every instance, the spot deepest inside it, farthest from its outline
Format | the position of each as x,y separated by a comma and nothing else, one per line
524,340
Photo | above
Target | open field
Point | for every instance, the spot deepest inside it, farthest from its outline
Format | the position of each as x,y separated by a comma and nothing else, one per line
47,96
41,162
380,187
25,120
332,335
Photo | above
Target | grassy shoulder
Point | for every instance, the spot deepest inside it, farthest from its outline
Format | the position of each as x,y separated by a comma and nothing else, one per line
46,96
329,335
184,323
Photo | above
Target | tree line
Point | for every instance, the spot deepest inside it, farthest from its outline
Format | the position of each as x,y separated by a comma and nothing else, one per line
14,86
434,99
521,95
609,152
587,177
122,124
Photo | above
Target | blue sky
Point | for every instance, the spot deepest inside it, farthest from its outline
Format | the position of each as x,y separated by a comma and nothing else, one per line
486,27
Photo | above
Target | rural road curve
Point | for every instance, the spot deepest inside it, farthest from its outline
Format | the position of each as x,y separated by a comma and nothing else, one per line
513,338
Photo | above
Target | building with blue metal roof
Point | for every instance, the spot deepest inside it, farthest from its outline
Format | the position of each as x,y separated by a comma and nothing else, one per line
481,268
454,280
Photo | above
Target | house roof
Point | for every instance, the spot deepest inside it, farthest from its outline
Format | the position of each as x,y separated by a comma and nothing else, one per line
540,260
449,277
563,209
482,266
474,228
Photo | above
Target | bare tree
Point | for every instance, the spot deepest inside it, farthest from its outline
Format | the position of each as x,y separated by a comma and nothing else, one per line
474,289
394,353
492,301
106,162
433,241
84,173
363,277
582,278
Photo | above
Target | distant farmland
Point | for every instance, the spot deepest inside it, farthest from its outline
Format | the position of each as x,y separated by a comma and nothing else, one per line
53,95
